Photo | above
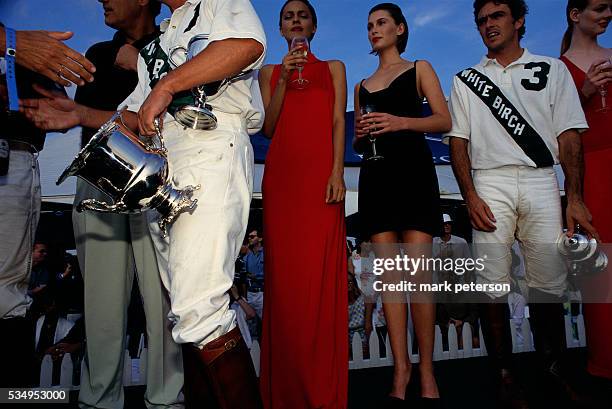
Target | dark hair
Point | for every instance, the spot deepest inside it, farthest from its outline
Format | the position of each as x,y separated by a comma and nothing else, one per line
567,37
155,7
311,9
518,9
396,13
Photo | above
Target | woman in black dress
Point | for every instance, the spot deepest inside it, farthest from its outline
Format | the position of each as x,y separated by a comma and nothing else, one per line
398,192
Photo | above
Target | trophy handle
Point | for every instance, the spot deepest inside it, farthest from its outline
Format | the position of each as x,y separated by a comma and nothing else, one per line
172,53
161,149
99,206
181,201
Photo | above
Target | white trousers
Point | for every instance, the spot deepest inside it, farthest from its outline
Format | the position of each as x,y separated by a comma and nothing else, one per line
196,260
527,207
19,214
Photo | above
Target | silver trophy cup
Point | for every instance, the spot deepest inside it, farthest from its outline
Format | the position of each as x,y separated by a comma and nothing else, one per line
199,115
132,173
583,255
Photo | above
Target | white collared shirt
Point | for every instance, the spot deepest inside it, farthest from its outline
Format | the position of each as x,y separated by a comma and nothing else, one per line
547,100
220,20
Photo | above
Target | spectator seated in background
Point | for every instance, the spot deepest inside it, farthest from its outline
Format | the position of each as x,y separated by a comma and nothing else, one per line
356,311
39,277
244,311
56,335
254,264
69,288
450,309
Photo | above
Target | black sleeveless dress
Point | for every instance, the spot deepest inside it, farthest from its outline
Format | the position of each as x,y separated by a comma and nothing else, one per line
399,192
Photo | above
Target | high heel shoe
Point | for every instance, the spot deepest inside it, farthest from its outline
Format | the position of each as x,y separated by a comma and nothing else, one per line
431,403
391,402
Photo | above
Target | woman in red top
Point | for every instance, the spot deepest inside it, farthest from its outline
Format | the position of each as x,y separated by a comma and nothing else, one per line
304,357
591,67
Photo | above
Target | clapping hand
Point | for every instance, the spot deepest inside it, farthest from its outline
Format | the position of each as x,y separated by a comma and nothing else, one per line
54,112
45,53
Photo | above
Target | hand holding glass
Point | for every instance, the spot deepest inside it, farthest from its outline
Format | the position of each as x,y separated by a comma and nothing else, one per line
368,109
300,44
603,90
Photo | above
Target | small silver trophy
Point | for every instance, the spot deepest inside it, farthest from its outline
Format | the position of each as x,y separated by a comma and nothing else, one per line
199,115
583,255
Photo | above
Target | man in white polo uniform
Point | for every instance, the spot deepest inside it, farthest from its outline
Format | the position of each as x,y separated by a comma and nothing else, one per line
514,116
197,258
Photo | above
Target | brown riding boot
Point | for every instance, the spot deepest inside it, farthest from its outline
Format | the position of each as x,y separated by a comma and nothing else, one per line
547,319
197,389
494,320
228,367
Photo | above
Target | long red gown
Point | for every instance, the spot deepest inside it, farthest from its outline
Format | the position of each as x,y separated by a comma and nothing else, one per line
597,145
304,356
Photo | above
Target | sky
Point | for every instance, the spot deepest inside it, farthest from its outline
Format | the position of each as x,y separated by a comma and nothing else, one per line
441,31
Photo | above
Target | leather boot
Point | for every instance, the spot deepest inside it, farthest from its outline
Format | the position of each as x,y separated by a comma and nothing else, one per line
197,389
546,317
495,324
229,369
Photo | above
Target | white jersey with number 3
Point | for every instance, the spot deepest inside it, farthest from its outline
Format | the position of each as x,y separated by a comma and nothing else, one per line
542,91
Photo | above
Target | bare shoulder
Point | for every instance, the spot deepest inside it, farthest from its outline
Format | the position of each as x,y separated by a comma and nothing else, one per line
266,69
424,66
265,73
336,66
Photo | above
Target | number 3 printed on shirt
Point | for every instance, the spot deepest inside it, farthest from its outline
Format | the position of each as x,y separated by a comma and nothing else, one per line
540,72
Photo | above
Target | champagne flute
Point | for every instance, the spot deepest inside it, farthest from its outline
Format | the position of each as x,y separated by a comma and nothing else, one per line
603,90
368,109
301,46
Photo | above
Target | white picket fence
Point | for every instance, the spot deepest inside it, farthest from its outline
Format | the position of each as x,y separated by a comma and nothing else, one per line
134,369
520,344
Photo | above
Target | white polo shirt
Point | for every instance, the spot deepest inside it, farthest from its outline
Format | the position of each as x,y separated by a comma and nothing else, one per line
540,88
220,20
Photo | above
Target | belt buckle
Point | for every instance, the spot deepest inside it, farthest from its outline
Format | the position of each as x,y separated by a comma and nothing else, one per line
231,344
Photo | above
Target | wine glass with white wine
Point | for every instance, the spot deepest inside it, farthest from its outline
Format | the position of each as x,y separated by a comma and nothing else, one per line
603,90
300,46
368,109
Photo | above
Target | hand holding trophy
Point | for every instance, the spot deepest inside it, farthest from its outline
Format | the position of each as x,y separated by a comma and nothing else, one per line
199,115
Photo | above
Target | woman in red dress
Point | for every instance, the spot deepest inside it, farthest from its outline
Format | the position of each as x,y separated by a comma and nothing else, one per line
304,357
591,67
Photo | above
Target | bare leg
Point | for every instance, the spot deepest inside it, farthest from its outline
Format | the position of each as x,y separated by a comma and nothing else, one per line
396,315
423,313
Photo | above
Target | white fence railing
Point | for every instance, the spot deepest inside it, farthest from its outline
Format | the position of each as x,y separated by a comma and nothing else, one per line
134,368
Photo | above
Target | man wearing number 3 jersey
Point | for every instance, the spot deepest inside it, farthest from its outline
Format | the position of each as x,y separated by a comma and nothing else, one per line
515,115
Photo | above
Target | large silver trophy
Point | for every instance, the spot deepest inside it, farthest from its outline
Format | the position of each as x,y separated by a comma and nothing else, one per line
200,115
134,174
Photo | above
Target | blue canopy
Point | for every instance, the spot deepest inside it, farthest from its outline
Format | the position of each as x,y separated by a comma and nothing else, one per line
439,150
